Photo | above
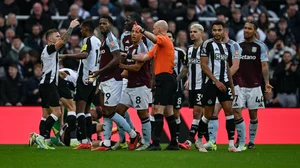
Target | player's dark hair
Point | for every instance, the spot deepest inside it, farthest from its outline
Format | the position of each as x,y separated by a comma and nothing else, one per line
171,34
218,22
89,23
50,32
287,52
14,65
136,18
99,112
16,37
254,23
109,18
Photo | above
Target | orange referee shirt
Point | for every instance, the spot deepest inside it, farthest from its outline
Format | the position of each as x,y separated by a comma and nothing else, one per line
163,53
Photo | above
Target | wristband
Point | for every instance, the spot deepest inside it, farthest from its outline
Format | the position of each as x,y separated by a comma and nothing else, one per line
143,31
129,56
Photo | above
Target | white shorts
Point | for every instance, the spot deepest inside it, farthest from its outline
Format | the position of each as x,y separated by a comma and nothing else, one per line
112,91
139,98
252,96
125,82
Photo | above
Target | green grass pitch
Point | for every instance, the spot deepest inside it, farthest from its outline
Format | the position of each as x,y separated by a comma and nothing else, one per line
265,156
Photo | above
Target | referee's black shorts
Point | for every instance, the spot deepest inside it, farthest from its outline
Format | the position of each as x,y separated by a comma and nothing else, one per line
49,95
165,89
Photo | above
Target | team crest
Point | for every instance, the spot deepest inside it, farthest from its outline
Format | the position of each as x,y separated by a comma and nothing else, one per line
254,49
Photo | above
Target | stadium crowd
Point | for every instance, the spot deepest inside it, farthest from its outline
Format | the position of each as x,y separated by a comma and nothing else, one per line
22,41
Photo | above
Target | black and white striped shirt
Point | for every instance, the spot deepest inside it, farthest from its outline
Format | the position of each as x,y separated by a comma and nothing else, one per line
180,60
217,54
50,65
91,45
195,71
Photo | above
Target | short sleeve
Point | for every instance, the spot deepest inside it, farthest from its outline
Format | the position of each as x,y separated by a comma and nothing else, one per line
121,43
236,51
264,53
152,52
161,40
149,44
183,57
204,50
112,43
142,48
51,49
87,46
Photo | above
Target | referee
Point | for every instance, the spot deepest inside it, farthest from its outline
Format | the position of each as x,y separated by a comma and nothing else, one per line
163,55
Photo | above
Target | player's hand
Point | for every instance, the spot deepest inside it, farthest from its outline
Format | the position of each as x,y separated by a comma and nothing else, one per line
91,78
268,88
293,68
138,28
186,84
124,74
35,91
221,86
62,74
124,55
74,23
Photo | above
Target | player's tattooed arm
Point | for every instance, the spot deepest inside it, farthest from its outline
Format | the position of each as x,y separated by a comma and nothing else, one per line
265,71
66,36
182,73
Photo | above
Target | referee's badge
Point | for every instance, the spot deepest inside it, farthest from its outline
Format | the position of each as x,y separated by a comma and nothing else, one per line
254,49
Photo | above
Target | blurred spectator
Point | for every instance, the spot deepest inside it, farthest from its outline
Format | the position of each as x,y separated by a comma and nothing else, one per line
145,13
236,22
260,34
149,23
40,18
94,10
282,12
17,47
225,8
221,17
284,33
172,27
73,14
6,44
271,38
48,7
82,12
120,20
169,10
34,58
34,40
270,101
12,22
13,89
9,6
2,27
293,17
254,8
33,97
23,65
297,56
182,40
135,5
287,79
62,7
276,54
188,18
203,9
153,7
263,22
26,6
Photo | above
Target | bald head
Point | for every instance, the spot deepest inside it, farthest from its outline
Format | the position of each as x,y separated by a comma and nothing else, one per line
160,27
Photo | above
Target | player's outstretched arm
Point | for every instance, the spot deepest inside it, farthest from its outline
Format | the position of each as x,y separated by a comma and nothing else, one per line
142,57
66,36
135,67
147,34
82,55
265,71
